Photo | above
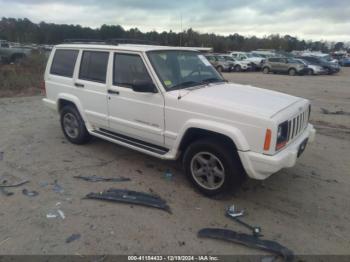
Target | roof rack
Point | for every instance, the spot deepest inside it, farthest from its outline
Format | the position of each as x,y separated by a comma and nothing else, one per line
112,41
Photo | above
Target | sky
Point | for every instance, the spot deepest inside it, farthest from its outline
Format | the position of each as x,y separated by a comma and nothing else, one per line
306,19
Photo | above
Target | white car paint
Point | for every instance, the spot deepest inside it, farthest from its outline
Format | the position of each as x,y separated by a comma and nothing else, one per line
242,113
243,56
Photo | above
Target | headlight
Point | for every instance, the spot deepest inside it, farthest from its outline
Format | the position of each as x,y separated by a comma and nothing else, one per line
282,135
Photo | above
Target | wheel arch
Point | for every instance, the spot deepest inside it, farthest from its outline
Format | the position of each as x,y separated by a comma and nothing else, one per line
197,129
68,99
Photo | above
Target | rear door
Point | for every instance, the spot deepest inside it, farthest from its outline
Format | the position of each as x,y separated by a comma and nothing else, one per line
134,114
91,85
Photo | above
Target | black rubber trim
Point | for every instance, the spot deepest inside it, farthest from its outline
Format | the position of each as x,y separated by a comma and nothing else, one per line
132,141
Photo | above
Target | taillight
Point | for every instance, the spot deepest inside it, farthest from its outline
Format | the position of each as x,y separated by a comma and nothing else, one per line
43,88
267,140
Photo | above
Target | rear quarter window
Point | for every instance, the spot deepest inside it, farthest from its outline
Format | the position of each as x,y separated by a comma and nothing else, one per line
93,66
63,62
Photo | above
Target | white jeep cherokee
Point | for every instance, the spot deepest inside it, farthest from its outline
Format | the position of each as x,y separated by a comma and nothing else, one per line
170,102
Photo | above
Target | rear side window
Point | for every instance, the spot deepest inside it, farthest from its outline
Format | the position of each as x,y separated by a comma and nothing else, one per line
93,66
127,69
64,62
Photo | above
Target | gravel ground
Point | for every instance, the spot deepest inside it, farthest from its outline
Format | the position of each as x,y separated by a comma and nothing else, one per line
306,208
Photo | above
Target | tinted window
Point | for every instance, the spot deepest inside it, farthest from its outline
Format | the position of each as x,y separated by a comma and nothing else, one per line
93,66
273,60
63,62
127,69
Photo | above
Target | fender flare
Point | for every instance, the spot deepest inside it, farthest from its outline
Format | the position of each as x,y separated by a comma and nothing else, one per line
231,132
73,99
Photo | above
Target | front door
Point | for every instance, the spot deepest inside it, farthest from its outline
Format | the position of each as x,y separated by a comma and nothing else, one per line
134,114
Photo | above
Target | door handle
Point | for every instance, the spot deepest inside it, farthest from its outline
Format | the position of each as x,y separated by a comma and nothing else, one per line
79,85
112,92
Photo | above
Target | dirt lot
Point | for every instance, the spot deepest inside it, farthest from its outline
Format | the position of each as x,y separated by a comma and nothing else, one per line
305,208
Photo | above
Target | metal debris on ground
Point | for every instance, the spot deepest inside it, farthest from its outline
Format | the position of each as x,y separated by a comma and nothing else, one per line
232,213
5,192
55,214
73,238
30,193
4,184
102,179
131,197
247,240
340,112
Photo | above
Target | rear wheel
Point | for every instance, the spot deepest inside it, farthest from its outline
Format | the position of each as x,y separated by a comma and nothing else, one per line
212,167
266,70
310,72
238,68
292,72
73,126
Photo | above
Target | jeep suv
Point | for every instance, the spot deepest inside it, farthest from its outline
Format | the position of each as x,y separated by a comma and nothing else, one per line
284,65
171,103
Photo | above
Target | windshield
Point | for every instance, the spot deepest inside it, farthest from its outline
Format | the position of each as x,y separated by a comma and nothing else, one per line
182,69
228,58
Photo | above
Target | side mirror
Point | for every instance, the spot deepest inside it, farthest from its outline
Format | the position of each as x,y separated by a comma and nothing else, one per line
144,86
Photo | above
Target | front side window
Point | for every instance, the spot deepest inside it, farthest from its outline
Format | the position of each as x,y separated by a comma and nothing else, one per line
64,62
129,68
182,69
93,66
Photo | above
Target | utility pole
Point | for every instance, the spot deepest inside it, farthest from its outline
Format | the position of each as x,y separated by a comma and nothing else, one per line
181,30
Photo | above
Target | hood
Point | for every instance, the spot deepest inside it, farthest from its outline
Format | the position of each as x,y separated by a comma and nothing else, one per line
240,98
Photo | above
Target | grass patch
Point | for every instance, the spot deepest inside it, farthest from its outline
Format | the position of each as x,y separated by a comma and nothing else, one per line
23,78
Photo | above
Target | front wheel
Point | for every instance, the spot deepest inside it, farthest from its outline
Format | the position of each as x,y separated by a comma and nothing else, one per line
212,167
266,70
292,72
238,68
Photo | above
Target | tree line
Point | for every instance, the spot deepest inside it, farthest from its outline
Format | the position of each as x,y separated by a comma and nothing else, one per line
25,31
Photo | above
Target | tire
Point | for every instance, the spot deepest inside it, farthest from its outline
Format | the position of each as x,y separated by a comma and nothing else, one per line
266,70
310,72
238,68
217,166
73,126
292,72
220,69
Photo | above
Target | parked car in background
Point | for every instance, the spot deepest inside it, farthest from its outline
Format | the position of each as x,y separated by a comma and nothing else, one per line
219,63
331,68
284,65
345,61
9,54
237,65
256,61
312,68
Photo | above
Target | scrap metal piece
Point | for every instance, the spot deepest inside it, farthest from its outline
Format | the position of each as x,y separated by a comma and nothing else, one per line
102,179
231,212
131,197
247,240
15,185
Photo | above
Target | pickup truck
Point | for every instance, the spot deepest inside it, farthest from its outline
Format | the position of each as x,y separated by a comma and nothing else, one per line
9,54
171,103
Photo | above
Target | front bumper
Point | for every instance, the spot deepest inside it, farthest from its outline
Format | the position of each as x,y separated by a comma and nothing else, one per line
260,166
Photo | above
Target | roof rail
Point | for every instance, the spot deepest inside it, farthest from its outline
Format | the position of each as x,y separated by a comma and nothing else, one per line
112,41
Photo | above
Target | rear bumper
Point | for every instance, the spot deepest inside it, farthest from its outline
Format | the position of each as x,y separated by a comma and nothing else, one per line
259,166
51,104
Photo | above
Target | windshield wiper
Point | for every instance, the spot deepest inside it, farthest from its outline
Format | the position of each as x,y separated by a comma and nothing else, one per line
184,85
212,80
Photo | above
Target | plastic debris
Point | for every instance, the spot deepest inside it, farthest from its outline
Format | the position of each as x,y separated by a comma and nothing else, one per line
72,238
102,179
168,175
60,212
130,197
29,193
5,192
57,188
51,215
4,184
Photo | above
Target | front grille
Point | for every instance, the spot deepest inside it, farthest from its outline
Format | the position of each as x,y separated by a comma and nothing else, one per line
297,124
